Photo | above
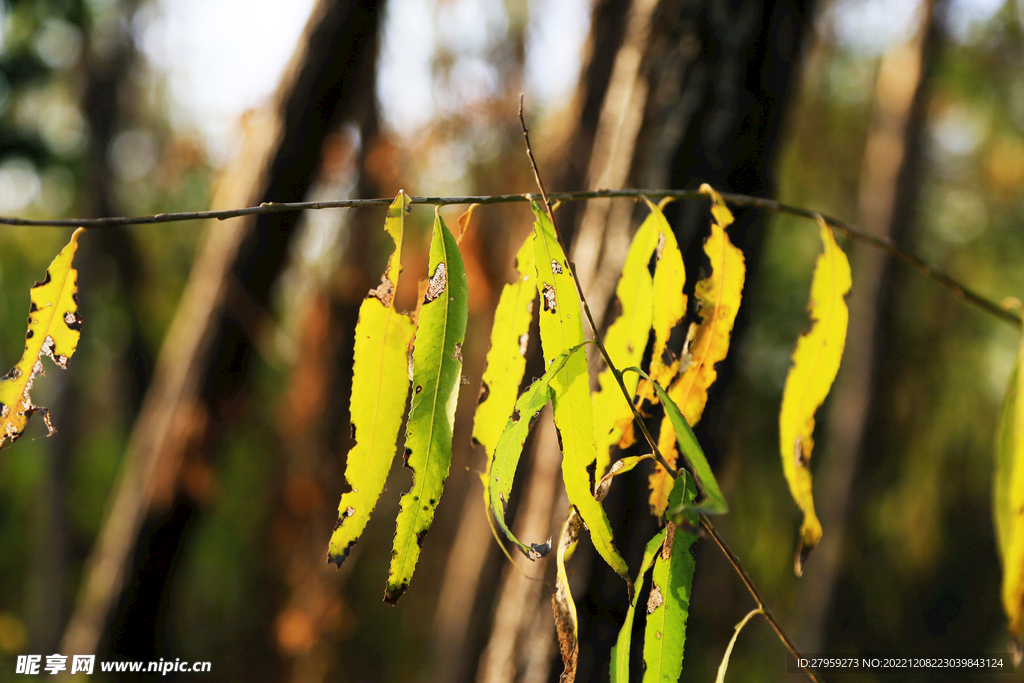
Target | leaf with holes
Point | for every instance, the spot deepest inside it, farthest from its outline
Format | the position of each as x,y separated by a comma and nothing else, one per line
626,338
668,605
707,344
54,328
815,364
1008,501
506,359
437,376
380,384
561,328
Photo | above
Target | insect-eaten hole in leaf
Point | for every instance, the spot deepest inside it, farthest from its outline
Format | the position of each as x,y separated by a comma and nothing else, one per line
549,298
524,340
437,284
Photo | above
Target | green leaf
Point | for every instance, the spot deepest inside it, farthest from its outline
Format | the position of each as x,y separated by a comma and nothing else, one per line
1008,501
506,359
669,603
437,375
626,338
54,328
561,328
712,501
620,651
501,467
380,383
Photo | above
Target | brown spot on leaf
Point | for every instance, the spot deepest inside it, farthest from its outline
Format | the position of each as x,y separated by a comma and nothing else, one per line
485,391
515,415
549,298
524,341
655,600
457,355
29,334
13,373
419,388
798,452
73,321
661,245
438,283
556,267
670,539
349,511
385,292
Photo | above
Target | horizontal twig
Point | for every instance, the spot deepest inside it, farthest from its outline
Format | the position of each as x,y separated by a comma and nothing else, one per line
918,264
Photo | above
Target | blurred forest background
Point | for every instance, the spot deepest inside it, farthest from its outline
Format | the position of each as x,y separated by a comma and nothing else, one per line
183,508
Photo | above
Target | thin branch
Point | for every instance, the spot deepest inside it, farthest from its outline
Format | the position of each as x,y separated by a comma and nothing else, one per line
586,307
754,593
958,289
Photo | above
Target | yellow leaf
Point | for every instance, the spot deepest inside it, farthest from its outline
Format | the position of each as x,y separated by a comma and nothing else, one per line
707,343
815,364
54,328
380,384
669,309
626,338
1008,501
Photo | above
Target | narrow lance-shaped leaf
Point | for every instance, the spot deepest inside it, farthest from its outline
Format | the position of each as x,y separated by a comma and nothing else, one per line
380,383
1008,501
54,328
668,311
724,666
620,651
501,466
437,375
668,606
712,501
566,622
561,328
707,344
815,364
506,359
625,339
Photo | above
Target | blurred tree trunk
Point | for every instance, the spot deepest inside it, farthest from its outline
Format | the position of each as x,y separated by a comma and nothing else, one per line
714,81
200,378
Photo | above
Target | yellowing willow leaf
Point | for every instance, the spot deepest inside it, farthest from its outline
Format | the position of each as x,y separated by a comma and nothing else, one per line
1008,501
668,606
54,328
566,622
437,375
707,343
626,338
380,383
620,651
561,328
669,309
506,359
815,364
501,466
